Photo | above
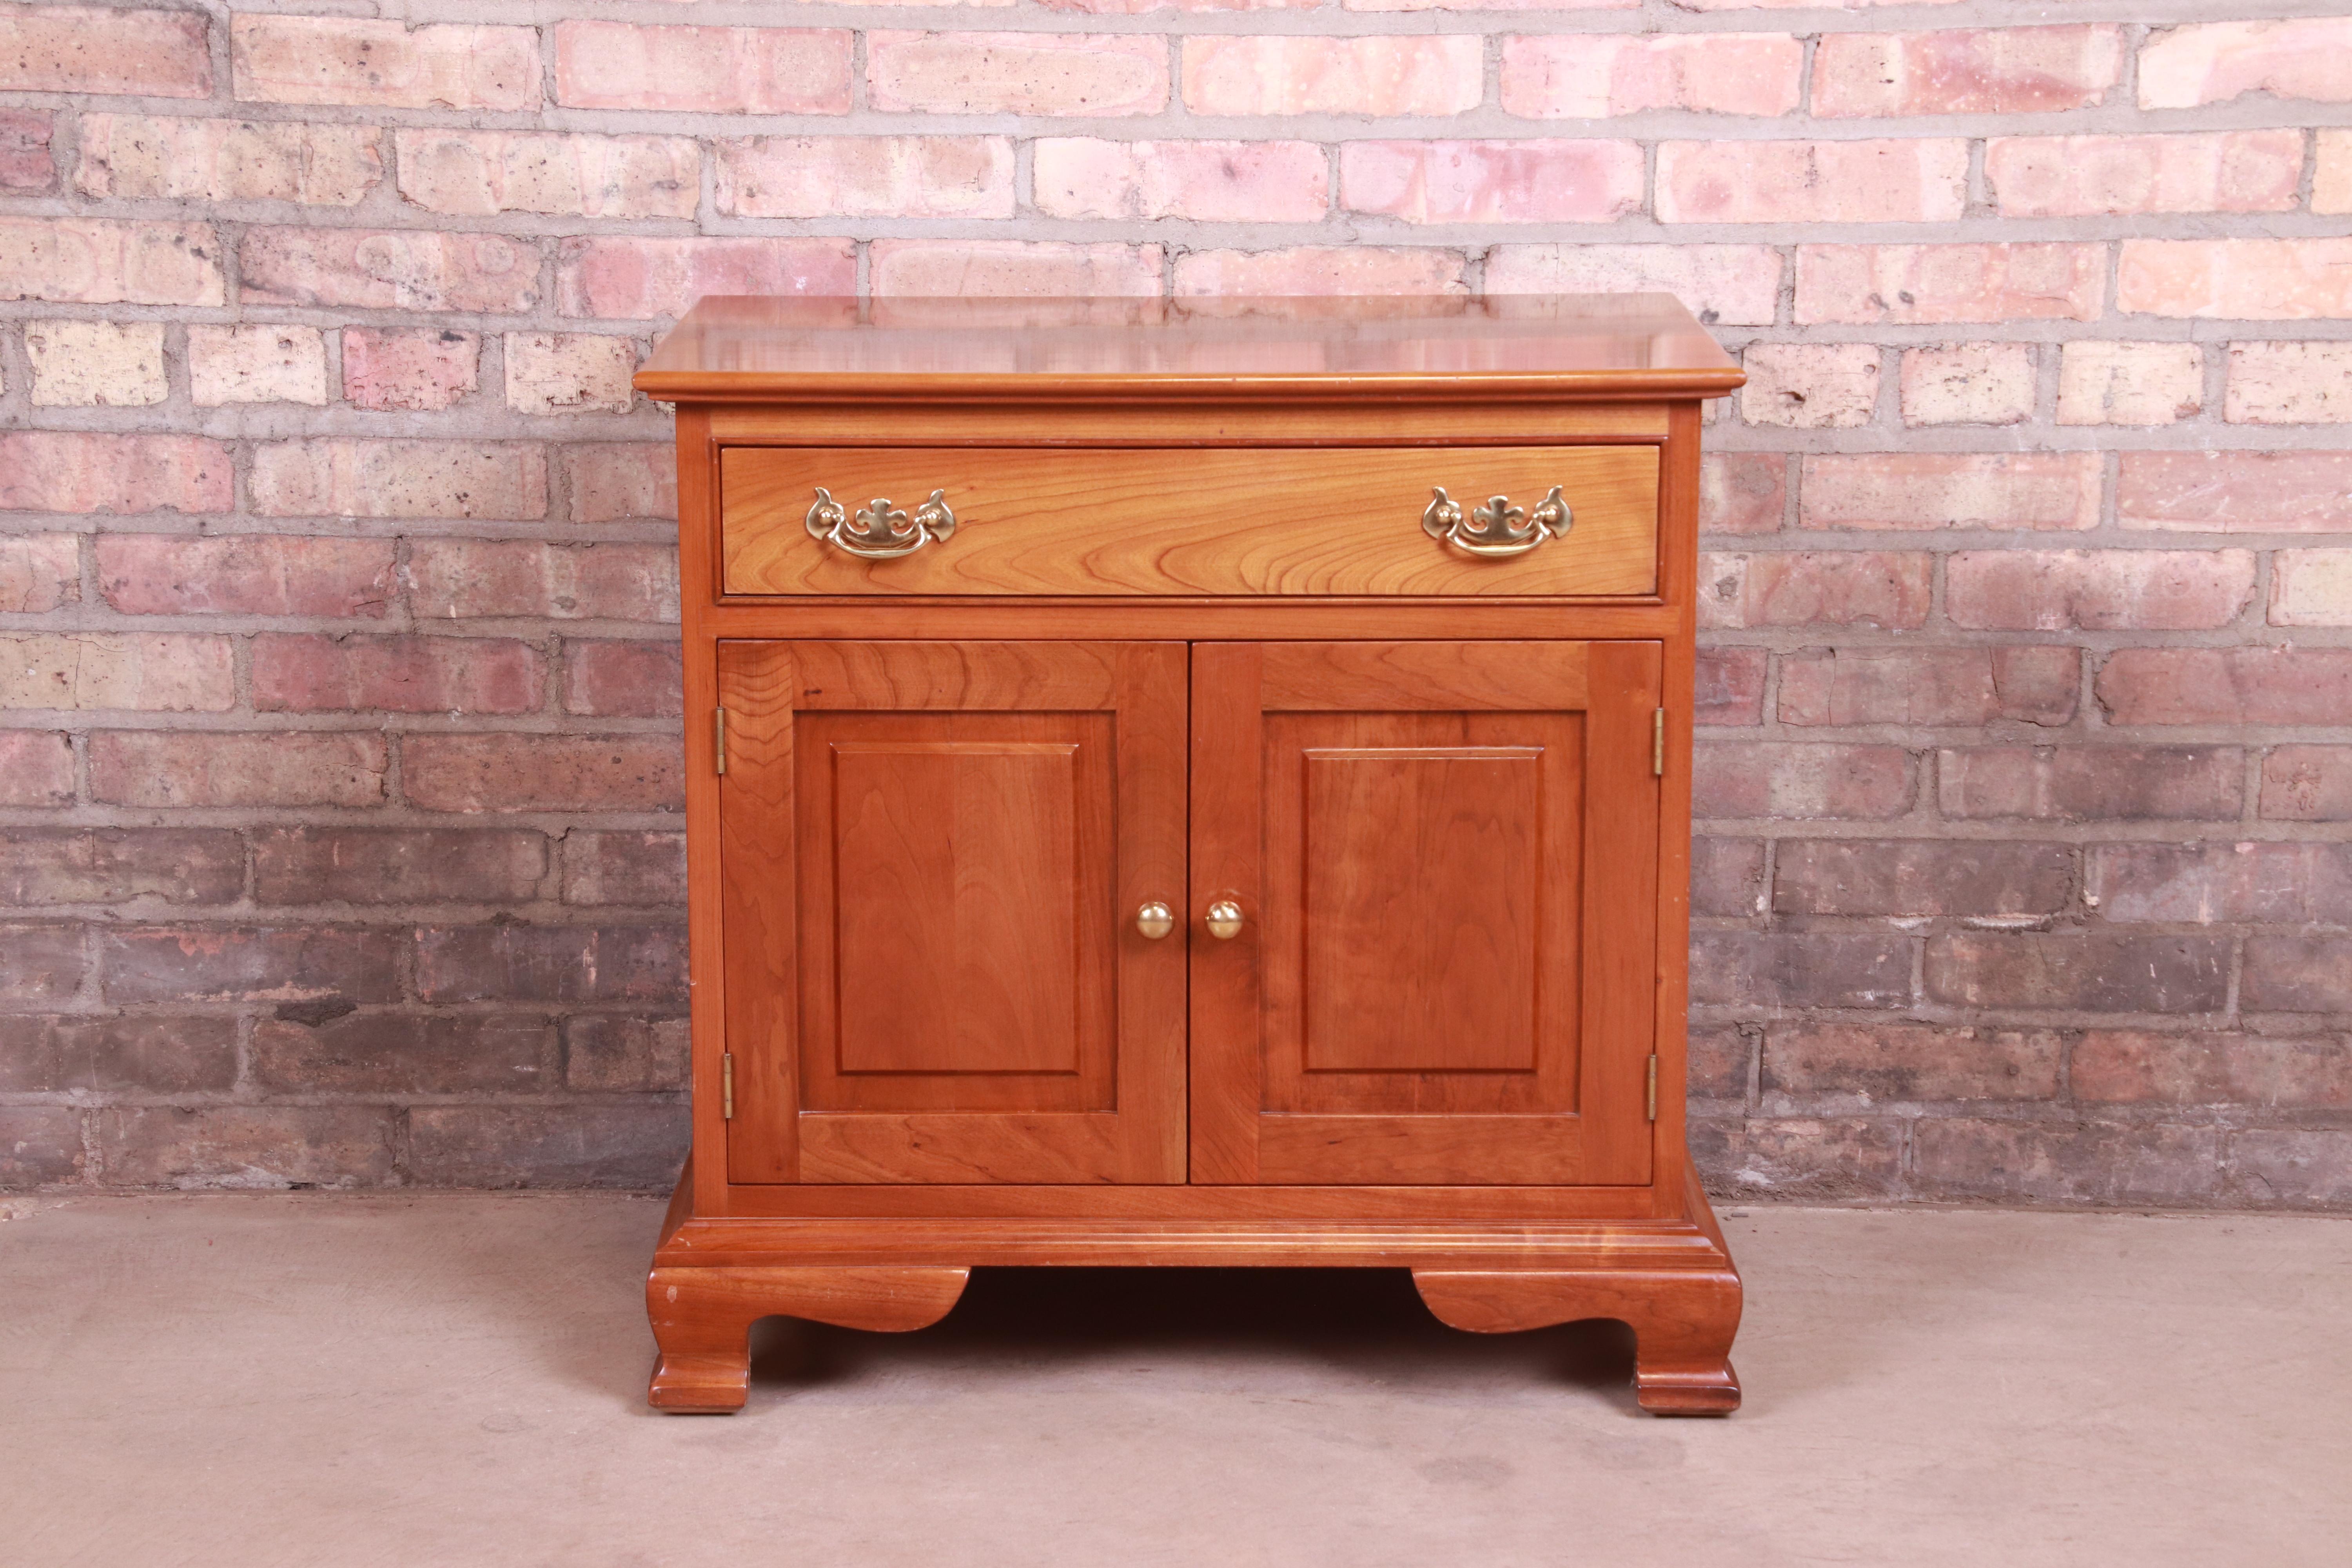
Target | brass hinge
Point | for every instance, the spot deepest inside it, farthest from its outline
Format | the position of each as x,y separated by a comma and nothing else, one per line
727,1087
718,733
1657,744
1653,1087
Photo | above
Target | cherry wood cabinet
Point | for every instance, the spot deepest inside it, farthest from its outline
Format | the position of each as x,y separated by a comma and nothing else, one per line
1189,788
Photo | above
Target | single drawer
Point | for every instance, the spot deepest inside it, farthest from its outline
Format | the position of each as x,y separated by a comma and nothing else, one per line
1195,520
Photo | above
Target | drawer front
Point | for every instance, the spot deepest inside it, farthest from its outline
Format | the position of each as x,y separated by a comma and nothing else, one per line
1199,520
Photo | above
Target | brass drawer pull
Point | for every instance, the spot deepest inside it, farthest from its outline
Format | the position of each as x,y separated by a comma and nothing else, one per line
1498,528
879,530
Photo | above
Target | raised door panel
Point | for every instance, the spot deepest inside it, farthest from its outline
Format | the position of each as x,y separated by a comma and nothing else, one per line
1445,855
926,847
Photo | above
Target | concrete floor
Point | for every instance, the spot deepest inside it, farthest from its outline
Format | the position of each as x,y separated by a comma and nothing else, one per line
435,1381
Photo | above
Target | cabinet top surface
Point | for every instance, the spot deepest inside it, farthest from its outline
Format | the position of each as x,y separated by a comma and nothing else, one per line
741,347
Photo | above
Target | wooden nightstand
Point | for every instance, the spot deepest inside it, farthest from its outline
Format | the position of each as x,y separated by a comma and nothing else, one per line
1227,801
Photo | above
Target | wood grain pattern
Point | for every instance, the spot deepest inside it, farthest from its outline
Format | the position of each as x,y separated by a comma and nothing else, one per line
1316,420
1682,1321
1159,521
702,1320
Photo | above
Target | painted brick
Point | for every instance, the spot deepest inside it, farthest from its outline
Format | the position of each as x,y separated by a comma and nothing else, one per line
552,963
2283,383
2213,62
77,471
623,679
1012,267
1806,587
2309,973
1908,686
1798,1157
2024,491
255,1147
246,574
2203,884
1968,384
249,964
2331,180
392,1053
1756,779
542,772
1811,386
568,372
36,768
2093,973
1319,270
1585,76
38,572
96,364
2236,492
257,364
167,673
41,964
1909,1062
1921,180
703,70
1390,75
1932,284
370,866
1805,969
2098,590
623,868
479,173
128,1053
163,158
633,1147
1093,75
383,64
2130,383
1907,878
637,278
413,370
104,866
456,579
603,1053
399,479
2133,1162
2253,280
169,769
1732,285
388,269
1977,70
2306,1168
2110,176
27,165
2227,686
102,261
311,673
79,48
2092,783
1729,686
1549,181
617,481
2311,588
1727,877
2307,783
1742,493
1207,182
2133,1066
873,176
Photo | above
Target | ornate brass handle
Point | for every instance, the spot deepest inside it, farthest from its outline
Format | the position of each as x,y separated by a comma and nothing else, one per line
880,531
1223,919
1498,528
1155,920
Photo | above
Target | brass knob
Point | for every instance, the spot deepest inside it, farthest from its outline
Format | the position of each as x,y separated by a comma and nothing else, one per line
1224,919
1155,920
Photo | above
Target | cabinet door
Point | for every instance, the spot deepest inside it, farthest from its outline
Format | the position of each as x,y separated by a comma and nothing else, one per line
931,857
1445,855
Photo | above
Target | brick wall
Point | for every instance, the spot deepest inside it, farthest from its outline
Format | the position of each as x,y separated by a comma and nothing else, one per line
339,776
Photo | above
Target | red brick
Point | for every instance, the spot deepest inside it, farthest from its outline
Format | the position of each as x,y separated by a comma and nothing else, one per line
2307,783
1206,182
100,261
369,866
2134,1067
1378,76
1093,75
1982,70
252,963
246,574
1911,180
2227,686
165,768
623,868
2298,973
128,1053
1590,75
480,173
1811,386
637,278
85,472
416,370
703,70
2098,590
1730,686
2331,180
27,165
38,572
2249,279
1733,285
399,479
184,158
2311,588
1929,284
2288,384
2036,490
1717,1063
622,480
40,1145
2084,782
40,964
1914,877
1910,1062
77,48
2203,884
631,678
1813,587
602,1054
552,963
876,177
1762,969
384,64
305,673
1727,877
2213,62
459,578
2134,1162
595,1144
117,865
36,768
1012,267
542,772
2104,176
2096,973
1742,493
1549,181
1776,778
1319,270
246,1146
389,270
1930,686
151,673
1799,1157
2236,492
394,1053
2303,1167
